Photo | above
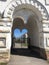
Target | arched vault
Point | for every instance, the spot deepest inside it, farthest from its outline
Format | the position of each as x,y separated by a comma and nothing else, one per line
34,5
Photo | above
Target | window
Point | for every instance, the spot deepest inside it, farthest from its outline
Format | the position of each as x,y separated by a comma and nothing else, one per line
2,42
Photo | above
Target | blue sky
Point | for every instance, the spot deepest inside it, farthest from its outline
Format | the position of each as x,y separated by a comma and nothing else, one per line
18,33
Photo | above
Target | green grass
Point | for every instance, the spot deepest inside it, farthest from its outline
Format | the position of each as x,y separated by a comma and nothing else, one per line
3,63
24,44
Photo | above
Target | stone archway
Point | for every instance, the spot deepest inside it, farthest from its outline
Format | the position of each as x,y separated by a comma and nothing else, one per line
31,21
37,7
39,14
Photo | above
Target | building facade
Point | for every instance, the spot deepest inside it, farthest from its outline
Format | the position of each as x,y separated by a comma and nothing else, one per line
30,14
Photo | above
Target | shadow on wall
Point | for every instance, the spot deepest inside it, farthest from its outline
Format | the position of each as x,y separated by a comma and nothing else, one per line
36,39
26,52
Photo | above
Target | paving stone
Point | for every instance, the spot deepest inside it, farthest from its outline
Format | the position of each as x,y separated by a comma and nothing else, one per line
26,60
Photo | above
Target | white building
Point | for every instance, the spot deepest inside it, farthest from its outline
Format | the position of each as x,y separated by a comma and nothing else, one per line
30,14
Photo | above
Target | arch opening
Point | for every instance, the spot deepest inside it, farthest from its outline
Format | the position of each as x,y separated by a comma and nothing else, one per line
30,37
24,17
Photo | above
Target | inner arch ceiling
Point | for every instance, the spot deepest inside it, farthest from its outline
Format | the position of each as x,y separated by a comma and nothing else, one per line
34,5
